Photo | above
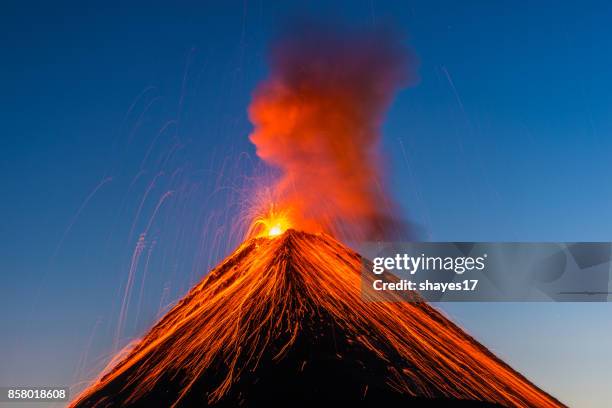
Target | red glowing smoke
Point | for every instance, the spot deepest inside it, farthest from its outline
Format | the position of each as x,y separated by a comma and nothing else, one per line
318,120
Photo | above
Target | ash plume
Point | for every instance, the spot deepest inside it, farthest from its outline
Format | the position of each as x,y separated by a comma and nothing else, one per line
318,118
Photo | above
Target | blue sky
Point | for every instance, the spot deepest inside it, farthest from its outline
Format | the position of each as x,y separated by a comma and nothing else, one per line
107,108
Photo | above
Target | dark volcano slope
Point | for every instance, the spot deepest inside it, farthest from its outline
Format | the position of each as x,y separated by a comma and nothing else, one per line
282,321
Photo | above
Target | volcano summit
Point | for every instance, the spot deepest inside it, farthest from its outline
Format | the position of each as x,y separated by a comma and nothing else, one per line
282,321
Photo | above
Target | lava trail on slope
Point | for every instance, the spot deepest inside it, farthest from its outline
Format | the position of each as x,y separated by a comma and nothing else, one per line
282,321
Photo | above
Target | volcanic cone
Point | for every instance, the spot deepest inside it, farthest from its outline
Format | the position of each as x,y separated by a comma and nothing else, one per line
282,321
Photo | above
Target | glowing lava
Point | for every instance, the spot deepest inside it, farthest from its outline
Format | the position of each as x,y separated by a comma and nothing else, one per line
272,223
275,230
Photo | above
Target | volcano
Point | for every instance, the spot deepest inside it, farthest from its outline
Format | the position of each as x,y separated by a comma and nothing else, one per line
282,321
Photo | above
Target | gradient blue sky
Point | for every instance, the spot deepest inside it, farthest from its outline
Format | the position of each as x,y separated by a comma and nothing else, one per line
504,138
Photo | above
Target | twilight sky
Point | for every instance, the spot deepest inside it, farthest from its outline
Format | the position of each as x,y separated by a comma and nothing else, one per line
124,152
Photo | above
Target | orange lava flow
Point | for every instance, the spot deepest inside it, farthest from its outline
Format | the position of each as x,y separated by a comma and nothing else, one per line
265,291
